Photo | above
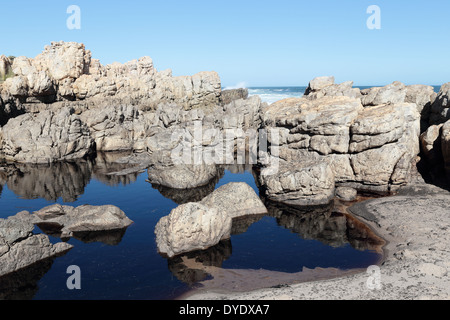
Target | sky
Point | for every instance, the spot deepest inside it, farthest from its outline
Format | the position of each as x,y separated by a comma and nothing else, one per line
256,43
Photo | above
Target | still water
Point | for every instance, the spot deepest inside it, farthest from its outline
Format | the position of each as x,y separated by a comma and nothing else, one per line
126,265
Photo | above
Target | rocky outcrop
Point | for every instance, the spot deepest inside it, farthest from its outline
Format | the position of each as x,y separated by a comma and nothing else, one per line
68,220
182,176
368,148
46,137
67,71
19,247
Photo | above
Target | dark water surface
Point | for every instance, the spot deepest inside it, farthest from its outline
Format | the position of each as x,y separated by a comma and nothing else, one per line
126,264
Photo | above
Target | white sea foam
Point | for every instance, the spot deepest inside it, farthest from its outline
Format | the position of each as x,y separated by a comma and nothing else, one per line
273,94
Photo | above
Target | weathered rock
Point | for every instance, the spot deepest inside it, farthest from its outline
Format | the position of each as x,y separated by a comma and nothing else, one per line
85,218
5,68
440,109
46,137
301,183
335,90
430,142
228,96
118,128
19,247
346,194
236,200
319,83
191,227
367,148
446,145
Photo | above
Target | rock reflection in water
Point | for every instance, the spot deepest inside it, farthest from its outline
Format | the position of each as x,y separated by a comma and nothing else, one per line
23,284
183,196
50,182
108,237
184,267
330,225
66,180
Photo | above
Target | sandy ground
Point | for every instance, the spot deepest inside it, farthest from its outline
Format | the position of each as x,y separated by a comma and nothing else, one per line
415,223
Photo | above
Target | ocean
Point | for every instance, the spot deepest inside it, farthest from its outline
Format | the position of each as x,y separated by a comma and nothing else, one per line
273,94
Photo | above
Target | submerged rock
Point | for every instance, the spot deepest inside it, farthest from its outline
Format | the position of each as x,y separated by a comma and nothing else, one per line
69,220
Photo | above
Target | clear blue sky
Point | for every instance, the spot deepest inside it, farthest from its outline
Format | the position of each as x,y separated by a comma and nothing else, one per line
261,43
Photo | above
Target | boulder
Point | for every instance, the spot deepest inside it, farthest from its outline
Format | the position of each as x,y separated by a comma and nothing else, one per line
46,137
68,220
236,200
19,247
190,227
430,142
319,83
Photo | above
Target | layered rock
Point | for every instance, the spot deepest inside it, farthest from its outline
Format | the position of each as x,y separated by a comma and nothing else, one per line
371,148
19,247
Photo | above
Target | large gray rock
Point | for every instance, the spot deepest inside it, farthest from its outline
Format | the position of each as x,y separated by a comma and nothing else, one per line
191,227
46,137
84,218
236,200
19,247
301,183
